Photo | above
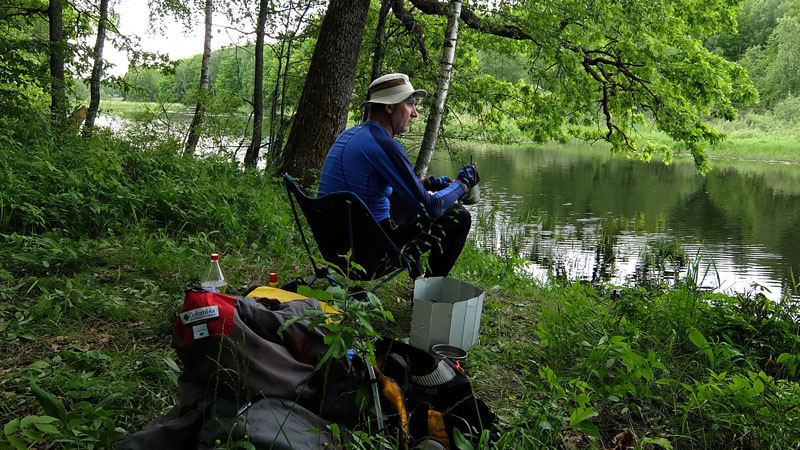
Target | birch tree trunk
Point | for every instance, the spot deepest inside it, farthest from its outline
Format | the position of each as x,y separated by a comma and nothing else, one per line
194,129
97,70
251,157
437,108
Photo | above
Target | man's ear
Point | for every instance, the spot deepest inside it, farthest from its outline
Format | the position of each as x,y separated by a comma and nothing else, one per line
388,108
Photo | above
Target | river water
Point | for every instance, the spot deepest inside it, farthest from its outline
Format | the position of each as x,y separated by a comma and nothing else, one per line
584,214
580,213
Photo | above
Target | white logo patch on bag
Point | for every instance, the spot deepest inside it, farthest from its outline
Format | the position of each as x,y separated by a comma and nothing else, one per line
200,331
203,314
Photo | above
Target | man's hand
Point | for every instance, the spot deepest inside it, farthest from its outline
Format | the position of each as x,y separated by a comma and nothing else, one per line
469,175
435,184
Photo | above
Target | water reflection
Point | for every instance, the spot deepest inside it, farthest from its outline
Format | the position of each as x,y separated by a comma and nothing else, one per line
175,125
583,214
586,215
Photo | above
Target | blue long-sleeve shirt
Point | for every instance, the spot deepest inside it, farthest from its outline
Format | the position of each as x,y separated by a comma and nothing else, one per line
368,162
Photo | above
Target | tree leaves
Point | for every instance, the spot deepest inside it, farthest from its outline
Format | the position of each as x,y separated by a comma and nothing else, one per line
613,66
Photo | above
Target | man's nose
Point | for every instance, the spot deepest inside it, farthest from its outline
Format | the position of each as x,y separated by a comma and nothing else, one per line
414,112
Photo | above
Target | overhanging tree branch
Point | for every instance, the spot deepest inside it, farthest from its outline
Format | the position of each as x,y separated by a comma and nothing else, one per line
595,62
411,25
432,7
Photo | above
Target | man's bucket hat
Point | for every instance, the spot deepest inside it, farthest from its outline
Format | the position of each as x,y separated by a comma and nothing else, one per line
392,88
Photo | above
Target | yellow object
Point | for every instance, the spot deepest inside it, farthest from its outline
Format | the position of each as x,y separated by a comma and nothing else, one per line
392,392
287,296
436,428
273,292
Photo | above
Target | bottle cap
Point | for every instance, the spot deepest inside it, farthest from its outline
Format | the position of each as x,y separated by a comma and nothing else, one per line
273,277
215,256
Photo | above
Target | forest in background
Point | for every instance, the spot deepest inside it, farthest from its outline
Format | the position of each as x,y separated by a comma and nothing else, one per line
767,45
523,71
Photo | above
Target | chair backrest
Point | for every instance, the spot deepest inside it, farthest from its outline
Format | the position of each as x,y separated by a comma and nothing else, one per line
342,224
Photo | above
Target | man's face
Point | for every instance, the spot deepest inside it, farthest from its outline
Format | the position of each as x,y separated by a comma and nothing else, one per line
402,115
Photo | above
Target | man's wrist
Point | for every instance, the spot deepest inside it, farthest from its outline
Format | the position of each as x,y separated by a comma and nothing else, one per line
427,183
463,183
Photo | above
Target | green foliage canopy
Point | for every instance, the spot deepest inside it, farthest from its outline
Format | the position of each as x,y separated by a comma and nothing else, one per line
619,64
756,21
775,68
23,59
535,68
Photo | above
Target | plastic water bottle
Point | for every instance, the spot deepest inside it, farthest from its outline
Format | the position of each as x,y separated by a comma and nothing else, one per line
214,280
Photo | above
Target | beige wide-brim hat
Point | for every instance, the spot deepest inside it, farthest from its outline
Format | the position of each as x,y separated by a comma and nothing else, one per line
392,88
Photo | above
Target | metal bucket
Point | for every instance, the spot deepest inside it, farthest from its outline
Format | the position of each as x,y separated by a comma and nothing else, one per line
450,352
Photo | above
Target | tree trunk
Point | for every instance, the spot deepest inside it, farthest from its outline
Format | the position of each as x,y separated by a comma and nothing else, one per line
322,111
97,70
194,129
251,157
279,122
380,40
58,88
380,46
437,108
284,121
274,106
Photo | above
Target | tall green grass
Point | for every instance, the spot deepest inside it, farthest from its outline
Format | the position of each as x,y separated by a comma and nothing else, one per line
681,368
101,237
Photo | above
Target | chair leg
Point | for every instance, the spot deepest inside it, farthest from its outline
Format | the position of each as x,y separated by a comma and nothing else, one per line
387,279
331,279
322,273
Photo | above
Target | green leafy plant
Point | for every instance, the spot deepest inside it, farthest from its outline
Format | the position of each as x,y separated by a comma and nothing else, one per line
620,371
578,393
790,360
25,433
350,326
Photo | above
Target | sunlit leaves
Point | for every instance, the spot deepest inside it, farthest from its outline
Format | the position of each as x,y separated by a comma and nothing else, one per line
610,66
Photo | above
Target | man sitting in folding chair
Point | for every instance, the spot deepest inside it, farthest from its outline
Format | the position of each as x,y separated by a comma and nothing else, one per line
368,162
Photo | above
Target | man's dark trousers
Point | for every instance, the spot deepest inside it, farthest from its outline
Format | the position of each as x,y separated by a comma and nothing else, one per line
444,237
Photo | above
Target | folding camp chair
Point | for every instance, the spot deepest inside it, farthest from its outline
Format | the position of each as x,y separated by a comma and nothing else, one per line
346,232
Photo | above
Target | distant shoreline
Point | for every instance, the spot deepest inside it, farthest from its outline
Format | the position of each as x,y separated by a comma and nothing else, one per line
756,137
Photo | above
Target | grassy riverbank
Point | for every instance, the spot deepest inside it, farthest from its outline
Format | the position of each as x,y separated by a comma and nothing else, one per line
756,135
100,239
123,108
764,136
